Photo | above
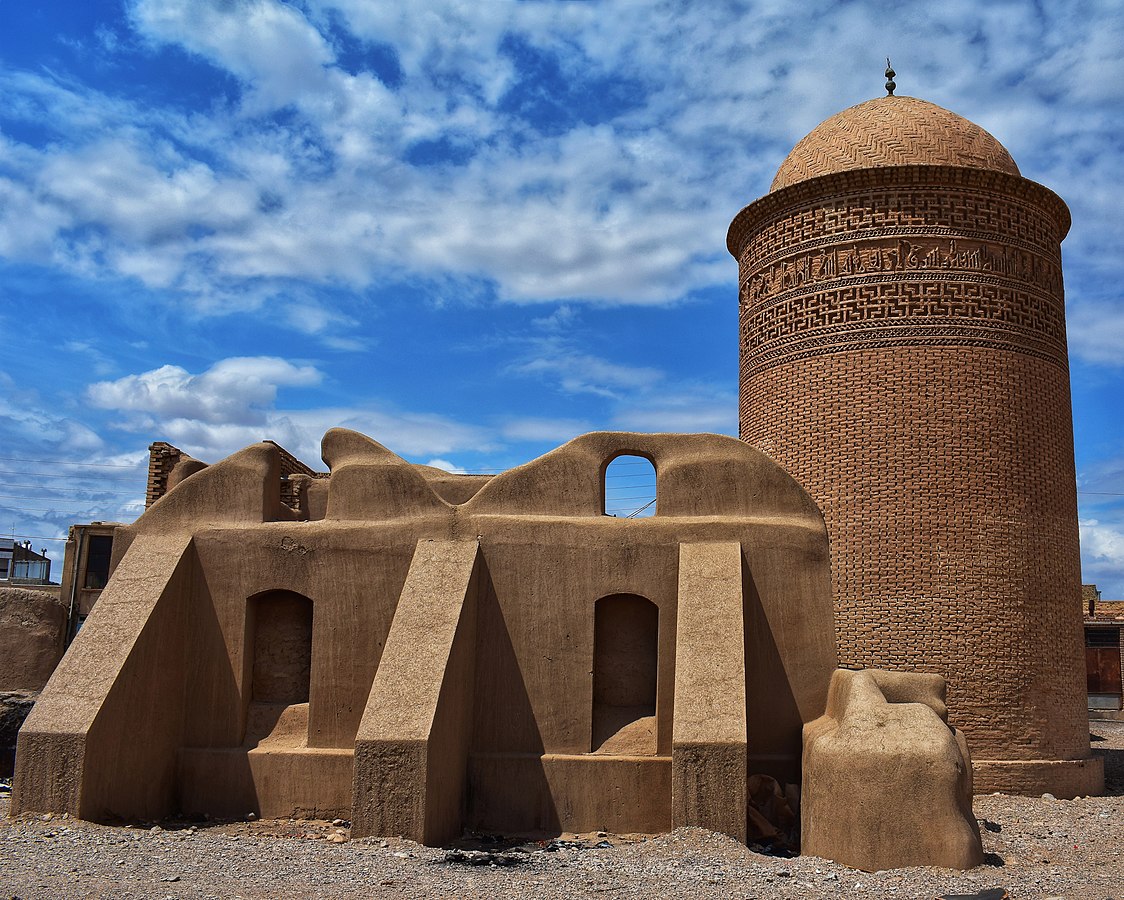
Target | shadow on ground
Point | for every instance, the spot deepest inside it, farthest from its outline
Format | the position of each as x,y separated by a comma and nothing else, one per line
1113,756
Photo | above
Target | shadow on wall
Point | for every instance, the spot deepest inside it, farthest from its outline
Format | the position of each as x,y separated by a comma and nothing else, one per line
773,720
505,733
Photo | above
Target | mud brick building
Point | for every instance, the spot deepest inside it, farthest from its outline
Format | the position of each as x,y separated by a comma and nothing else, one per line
903,356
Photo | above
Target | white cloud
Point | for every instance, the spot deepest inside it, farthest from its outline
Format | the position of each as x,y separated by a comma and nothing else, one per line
269,45
606,205
1103,542
233,392
233,404
582,373
1096,332
438,463
1102,556
544,430
36,432
60,472
684,411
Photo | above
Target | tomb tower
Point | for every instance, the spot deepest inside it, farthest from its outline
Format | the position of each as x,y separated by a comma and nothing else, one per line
903,356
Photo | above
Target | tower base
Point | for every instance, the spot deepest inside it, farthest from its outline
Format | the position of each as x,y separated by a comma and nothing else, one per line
1064,778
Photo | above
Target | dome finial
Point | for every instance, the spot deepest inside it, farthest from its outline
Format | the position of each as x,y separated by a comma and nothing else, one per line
890,73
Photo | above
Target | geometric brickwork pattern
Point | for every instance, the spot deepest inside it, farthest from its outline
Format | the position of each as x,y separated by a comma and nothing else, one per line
903,356
960,268
946,477
892,131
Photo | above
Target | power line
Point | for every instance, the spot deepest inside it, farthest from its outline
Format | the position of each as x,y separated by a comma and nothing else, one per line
98,476
58,510
642,508
65,499
63,462
82,489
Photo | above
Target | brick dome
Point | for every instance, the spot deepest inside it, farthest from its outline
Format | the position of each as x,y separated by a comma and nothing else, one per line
892,131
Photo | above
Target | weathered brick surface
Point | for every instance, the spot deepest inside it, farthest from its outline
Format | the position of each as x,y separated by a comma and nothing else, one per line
904,357
162,458
892,131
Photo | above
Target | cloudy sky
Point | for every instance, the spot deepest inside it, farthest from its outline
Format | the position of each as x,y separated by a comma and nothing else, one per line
471,229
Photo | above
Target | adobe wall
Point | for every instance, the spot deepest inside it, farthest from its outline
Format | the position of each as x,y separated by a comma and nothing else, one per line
548,731
32,633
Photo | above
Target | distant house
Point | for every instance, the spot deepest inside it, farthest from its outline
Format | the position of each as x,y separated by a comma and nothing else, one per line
85,570
1104,633
20,565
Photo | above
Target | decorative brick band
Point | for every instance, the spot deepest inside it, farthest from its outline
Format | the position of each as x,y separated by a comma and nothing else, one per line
901,263
945,196
925,309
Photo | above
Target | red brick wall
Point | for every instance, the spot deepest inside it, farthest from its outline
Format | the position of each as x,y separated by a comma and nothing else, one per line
904,357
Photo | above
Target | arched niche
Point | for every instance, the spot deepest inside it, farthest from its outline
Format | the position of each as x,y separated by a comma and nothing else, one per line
625,667
278,667
628,487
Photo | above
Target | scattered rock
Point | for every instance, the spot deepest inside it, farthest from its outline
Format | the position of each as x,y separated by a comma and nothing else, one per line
483,858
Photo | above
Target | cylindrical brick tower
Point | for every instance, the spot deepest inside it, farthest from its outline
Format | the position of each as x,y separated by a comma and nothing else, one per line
903,355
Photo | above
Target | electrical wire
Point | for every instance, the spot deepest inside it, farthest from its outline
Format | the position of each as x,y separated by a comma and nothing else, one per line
85,490
63,462
25,474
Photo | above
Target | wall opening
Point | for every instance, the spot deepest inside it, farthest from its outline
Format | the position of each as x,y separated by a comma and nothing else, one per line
279,644
629,487
625,665
99,549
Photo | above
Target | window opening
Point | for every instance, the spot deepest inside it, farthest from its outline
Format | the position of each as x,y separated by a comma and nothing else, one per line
99,548
630,488
1102,637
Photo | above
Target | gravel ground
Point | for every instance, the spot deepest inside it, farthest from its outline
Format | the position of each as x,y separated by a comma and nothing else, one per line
1037,848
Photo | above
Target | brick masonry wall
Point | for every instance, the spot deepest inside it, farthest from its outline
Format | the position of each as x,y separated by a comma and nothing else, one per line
162,458
904,357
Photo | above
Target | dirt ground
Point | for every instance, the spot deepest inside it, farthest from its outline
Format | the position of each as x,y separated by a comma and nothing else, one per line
1036,848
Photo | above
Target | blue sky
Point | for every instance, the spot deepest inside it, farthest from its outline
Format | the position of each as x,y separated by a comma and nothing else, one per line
471,230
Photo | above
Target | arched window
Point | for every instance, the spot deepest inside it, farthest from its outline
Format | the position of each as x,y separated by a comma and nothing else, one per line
281,623
629,487
625,657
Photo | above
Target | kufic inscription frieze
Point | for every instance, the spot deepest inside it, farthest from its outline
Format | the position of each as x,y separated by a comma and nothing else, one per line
902,255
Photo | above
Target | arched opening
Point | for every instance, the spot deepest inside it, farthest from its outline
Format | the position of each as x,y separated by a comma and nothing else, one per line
279,667
629,487
625,658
